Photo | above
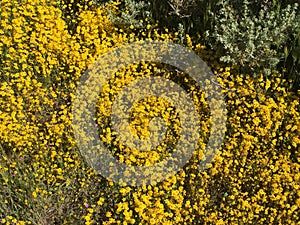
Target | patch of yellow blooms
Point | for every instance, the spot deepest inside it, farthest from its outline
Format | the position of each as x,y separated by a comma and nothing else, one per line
254,179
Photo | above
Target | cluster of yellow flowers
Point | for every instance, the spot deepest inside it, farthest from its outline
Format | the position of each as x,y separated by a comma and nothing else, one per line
254,178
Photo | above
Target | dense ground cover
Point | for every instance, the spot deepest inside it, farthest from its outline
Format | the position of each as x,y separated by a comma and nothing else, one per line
46,47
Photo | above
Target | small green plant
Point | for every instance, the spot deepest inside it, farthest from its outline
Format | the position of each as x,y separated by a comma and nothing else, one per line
253,36
131,13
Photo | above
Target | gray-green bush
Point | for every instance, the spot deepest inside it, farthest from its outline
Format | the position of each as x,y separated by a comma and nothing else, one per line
253,37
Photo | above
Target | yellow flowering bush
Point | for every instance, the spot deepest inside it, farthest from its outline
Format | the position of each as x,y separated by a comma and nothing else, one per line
254,178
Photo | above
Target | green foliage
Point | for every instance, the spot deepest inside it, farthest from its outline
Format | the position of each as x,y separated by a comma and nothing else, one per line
193,15
132,13
292,60
253,36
